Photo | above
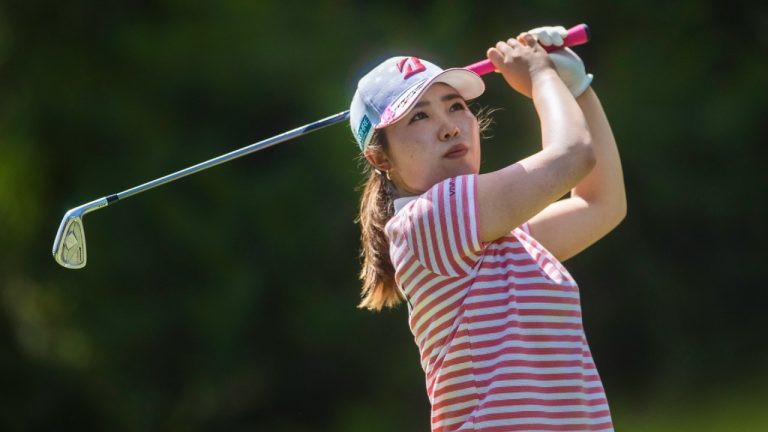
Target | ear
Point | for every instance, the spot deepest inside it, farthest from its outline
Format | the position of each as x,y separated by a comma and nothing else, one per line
378,159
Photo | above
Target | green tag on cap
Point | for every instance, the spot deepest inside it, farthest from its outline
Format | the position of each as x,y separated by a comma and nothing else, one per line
362,131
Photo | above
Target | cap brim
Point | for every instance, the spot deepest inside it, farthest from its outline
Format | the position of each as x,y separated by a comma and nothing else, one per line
467,83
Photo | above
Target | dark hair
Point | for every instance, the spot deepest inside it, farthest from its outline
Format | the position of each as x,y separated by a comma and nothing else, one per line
376,209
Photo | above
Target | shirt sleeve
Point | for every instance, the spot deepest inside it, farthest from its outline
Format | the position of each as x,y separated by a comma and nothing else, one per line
526,227
440,227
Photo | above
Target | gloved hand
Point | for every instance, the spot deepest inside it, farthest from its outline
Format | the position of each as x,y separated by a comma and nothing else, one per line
569,66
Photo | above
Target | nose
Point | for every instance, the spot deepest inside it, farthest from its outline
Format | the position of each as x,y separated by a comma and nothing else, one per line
448,130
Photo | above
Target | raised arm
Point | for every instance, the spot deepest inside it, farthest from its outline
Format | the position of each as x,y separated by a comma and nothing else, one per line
511,196
597,204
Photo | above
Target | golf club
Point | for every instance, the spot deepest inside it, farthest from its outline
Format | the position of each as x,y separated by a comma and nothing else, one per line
69,245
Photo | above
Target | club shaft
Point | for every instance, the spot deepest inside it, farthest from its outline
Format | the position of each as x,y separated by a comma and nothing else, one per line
277,139
69,245
576,36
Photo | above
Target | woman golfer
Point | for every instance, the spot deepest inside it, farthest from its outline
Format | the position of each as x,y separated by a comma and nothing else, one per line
477,257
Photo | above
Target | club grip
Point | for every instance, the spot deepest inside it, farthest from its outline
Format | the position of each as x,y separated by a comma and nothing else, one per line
577,35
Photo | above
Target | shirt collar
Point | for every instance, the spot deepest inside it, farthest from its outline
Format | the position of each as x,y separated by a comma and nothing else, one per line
402,202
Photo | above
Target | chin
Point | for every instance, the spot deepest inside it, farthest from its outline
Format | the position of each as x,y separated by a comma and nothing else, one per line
452,170
465,168
455,172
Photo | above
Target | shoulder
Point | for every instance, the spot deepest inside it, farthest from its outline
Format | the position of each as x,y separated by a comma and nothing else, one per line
449,201
439,227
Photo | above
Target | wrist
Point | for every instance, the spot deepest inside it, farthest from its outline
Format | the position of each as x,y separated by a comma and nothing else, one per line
545,74
571,70
578,89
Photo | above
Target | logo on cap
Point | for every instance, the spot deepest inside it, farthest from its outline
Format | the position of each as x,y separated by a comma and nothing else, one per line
362,131
410,66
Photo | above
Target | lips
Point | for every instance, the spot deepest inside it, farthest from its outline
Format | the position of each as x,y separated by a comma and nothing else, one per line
456,151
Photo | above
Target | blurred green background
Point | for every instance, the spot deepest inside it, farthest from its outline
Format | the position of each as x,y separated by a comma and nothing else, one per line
226,300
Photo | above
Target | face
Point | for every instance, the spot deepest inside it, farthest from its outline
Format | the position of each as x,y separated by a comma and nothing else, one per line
439,138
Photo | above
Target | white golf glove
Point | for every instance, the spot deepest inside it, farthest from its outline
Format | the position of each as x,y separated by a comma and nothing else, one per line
569,66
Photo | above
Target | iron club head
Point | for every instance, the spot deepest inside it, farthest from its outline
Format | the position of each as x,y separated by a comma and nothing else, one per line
69,246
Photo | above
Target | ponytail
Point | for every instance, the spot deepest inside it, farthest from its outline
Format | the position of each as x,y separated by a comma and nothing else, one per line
376,209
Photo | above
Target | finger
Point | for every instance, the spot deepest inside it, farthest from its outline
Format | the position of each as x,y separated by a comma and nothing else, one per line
545,36
507,48
561,31
537,31
527,39
495,56
557,34
513,42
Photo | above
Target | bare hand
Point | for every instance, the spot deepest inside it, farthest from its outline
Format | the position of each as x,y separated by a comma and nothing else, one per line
519,60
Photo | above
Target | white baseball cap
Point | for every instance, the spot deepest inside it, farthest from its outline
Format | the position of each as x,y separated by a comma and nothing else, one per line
389,91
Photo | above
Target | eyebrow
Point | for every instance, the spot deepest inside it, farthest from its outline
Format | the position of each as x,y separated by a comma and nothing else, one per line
443,99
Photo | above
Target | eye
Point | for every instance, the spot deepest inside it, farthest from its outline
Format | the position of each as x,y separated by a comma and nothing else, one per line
419,115
458,106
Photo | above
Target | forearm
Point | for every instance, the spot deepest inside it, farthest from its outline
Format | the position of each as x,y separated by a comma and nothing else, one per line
512,195
604,186
597,203
563,124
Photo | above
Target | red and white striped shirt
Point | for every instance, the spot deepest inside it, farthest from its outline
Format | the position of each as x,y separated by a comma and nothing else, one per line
498,325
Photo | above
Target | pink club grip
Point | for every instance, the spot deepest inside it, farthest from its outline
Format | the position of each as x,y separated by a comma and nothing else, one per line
577,35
